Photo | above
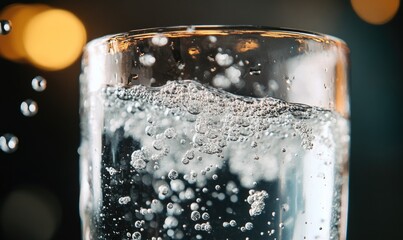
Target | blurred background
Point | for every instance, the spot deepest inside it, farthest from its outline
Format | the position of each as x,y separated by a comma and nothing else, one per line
39,99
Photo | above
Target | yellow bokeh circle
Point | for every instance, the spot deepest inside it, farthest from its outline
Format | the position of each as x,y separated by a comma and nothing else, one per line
376,12
53,39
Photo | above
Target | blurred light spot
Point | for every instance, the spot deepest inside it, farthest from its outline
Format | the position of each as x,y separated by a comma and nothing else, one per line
29,108
54,39
49,38
38,83
8,143
376,11
11,46
30,213
5,27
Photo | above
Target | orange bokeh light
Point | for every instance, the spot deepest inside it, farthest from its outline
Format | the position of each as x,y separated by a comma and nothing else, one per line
54,39
11,46
48,38
376,12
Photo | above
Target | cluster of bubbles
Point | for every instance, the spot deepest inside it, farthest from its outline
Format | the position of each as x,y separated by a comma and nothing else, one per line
28,108
186,132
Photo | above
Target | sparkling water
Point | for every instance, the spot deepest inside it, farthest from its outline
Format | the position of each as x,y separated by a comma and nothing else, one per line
188,161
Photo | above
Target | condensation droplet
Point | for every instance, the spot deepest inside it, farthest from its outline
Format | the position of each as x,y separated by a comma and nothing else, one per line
38,83
8,143
29,108
5,27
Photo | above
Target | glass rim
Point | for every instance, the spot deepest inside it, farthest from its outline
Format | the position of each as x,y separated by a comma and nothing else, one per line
211,30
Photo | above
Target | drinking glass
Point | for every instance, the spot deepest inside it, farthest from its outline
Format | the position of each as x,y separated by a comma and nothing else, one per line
214,132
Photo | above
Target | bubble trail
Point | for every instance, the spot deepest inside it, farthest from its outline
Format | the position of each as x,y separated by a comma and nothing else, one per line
39,83
5,27
8,143
29,108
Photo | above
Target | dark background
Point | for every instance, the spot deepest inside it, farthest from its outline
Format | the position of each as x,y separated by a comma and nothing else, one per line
46,163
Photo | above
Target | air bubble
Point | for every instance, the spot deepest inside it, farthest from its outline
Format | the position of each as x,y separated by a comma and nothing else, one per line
194,206
147,60
38,83
124,200
138,224
185,161
220,81
273,85
248,226
170,133
8,143
5,27
163,190
138,160
150,131
285,207
190,154
136,236
159,40
173,174
111,170
158,144
195,215
212,39
197,227
232,223
205,216
223,59
29,108
256,200
170,205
